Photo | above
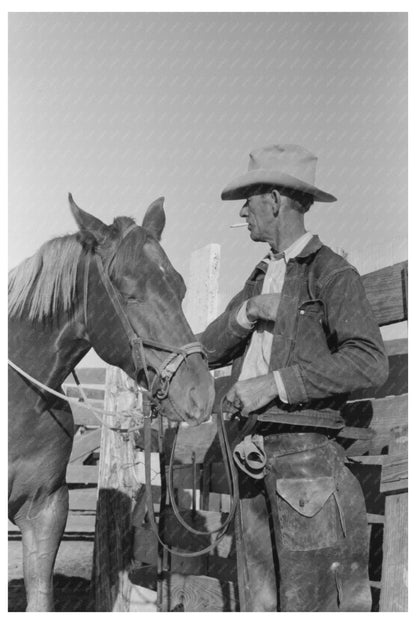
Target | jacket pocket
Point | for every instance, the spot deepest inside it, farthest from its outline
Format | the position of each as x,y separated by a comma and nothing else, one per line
313,308
311,340
309,516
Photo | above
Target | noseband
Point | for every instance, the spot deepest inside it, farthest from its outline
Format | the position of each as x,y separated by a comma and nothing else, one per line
159,387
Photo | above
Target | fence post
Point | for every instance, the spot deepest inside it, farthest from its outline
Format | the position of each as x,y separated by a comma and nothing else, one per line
201,304
117,487
394,581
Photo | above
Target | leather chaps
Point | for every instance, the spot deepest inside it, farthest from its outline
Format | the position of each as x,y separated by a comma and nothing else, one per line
304,529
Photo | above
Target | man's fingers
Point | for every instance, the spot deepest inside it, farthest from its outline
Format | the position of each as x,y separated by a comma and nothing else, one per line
233,400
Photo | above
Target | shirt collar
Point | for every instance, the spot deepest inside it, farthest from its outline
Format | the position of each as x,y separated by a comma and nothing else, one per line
294,250
310,248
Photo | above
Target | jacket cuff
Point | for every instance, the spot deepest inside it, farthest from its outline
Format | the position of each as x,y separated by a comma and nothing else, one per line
235,328
293,384
280,387
242,318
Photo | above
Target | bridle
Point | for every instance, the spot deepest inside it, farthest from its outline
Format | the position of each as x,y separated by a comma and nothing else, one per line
159,387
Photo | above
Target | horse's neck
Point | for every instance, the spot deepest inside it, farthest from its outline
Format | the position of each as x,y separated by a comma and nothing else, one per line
48,352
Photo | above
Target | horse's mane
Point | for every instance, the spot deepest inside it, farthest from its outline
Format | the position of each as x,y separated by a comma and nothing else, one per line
46,281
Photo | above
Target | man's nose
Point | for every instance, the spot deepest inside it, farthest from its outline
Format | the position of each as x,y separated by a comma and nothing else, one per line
244,211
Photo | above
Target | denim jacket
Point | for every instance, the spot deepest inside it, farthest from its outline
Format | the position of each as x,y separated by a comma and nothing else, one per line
326,341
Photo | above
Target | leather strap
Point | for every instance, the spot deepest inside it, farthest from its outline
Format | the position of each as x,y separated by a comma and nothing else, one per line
147,409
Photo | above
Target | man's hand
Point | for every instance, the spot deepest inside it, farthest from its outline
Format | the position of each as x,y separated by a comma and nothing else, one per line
263,307
250,395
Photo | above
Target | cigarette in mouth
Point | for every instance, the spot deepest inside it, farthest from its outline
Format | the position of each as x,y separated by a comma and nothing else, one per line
238,225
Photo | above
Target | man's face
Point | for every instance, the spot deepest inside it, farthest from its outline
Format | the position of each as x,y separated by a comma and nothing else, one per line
259,214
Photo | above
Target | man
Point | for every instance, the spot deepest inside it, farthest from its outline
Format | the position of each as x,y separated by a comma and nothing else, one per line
300,336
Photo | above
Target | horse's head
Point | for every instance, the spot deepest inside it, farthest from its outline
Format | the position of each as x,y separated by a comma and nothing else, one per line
143,293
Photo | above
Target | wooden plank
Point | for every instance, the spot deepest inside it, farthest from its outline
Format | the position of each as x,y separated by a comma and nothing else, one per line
399,346
13,528
375,518
80,523
386,292
199,594
370,460
84,386
91,393
394,587
394,579
394,476
85,417
379,414
84,445
77,473
84,499
356,433
95,375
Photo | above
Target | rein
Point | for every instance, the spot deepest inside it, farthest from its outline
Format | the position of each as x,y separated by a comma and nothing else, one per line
85,402
232,479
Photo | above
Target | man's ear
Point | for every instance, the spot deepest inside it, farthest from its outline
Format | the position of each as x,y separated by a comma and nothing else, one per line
277,201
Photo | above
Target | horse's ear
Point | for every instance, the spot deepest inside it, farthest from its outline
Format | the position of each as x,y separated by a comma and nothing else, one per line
87,223
155,218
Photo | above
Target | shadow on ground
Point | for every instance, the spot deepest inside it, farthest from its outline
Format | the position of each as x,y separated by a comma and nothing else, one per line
72,593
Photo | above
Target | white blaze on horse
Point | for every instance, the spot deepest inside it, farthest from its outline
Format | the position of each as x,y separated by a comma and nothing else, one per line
107,287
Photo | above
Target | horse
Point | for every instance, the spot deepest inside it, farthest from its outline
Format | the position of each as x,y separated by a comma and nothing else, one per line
107,287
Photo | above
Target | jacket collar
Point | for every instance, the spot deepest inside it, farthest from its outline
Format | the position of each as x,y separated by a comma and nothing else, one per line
311,247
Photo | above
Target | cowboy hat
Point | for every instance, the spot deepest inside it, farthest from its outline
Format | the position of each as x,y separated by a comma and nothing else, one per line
278,166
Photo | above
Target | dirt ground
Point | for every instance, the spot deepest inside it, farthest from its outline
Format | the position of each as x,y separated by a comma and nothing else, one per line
71,579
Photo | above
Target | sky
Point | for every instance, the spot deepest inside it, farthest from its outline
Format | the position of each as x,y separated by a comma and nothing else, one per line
121,108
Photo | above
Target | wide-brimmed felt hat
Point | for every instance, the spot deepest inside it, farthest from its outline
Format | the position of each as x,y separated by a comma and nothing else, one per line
278,166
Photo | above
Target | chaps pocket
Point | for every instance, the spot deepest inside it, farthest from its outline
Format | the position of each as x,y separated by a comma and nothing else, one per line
309,517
